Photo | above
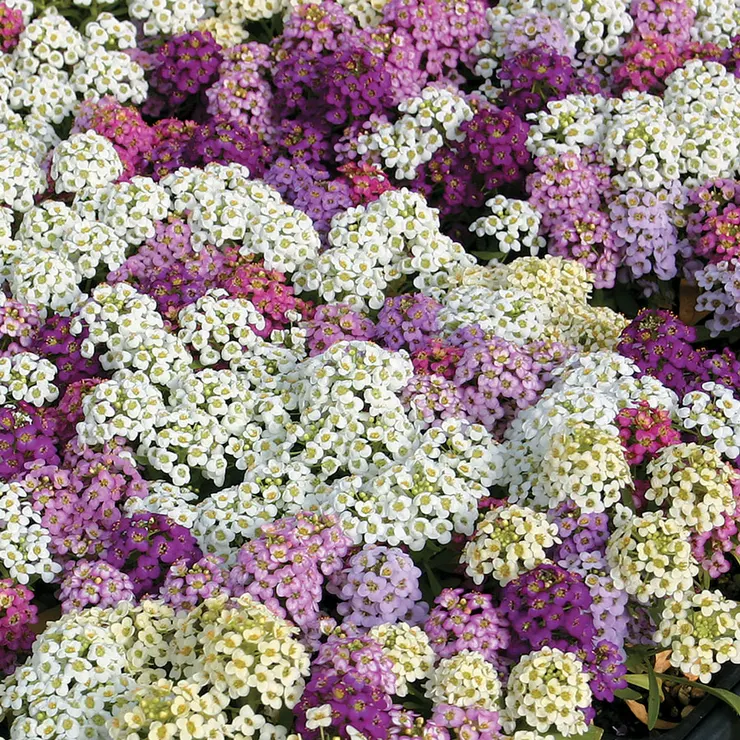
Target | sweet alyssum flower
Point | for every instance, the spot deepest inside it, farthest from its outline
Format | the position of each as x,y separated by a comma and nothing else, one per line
549,689
650,556
409,649
702,630
713,414
508,540
695,483
586,465
466,679
379,584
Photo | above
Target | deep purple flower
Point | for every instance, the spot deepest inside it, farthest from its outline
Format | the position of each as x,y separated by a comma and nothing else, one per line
144,546
225,141
55,342
548,606
186,65
27,435
661,346
533,77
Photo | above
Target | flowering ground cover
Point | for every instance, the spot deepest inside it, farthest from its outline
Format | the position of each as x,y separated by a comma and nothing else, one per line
367,369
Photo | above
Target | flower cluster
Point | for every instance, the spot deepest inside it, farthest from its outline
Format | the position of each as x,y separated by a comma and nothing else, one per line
379,585
509,540
359,367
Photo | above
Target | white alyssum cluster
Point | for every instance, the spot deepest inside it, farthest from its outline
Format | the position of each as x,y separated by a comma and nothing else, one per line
410,502
641,141
161,355
132,208
283,235
194,190
225,33
702,631
49,39
586,465
567,125
166,17
408,648
221,204
20,140
592,388
207,414
25,376
54,64
509,314
509,540
76,672
426,124
46,225
716,280
112,313
92,247
24,542
246,11
219,327
514,224
650,557
465,680
21,179
703,100
285,485
373,246
102,72
127,405
228,519
468,449
110,33
350,416
47,279
84,161
29,133
47,94
596,28
367,12
548,689
713,414
176,502
695,485
716,21
56,250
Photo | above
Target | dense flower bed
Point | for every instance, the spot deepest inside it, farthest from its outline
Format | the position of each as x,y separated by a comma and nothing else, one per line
343,389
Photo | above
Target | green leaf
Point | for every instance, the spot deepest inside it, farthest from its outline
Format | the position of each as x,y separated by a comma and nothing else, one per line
727,696
642,680
627,694
637,679
433,582
486,255
593,733
654,696
639,655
